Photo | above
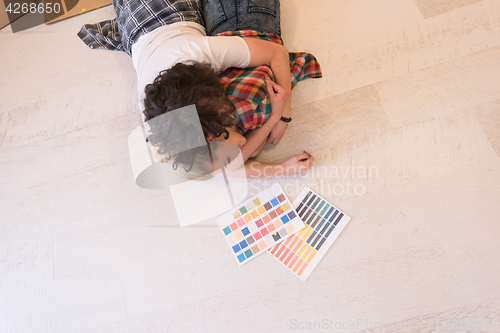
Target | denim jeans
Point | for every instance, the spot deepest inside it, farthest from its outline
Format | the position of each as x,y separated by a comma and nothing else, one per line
231,15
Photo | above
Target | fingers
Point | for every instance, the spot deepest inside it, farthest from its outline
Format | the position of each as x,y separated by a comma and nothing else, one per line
270,88
303,156
306,164
271,139
274,140
276,88
309,162
277,138
305,160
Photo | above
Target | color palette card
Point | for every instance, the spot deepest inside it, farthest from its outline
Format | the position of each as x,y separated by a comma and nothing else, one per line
302,252
259,223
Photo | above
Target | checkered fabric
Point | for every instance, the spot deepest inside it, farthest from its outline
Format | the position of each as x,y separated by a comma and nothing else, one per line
135,18
246,88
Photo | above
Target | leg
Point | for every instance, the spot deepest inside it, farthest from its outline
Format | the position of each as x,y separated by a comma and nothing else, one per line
228,15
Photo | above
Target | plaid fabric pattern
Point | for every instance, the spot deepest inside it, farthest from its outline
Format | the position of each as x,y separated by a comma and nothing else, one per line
246,88
103,35
135,18
251,33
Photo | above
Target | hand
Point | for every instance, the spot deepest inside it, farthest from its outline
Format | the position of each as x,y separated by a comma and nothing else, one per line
299,163
277,132
278,97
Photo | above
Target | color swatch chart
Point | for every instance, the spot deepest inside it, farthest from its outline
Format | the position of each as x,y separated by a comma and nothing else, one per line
259,223
302,252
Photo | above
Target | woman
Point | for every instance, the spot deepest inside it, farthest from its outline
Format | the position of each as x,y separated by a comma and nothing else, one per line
177,65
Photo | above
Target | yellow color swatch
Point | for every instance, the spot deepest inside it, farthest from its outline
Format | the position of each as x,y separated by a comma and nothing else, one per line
306,253
301,232
311,256
301,249
306,234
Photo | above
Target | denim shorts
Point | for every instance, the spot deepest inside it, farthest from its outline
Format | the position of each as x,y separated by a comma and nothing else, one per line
232,15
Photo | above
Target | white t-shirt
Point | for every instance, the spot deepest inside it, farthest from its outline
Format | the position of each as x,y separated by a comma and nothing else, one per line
184,42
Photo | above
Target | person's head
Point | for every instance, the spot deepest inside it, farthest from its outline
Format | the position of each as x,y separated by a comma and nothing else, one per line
233,136
184,85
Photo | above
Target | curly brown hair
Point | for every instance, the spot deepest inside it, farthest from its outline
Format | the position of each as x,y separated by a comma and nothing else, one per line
180,86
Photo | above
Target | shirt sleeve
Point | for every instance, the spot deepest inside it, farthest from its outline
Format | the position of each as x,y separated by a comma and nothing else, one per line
228,51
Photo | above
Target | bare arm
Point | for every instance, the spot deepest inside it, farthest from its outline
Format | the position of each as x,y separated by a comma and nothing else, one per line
257,152
255,138
275,56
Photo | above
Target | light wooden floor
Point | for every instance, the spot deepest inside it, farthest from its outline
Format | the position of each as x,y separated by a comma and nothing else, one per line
411,88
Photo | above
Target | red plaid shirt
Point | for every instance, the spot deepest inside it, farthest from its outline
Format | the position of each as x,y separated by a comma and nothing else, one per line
246,88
